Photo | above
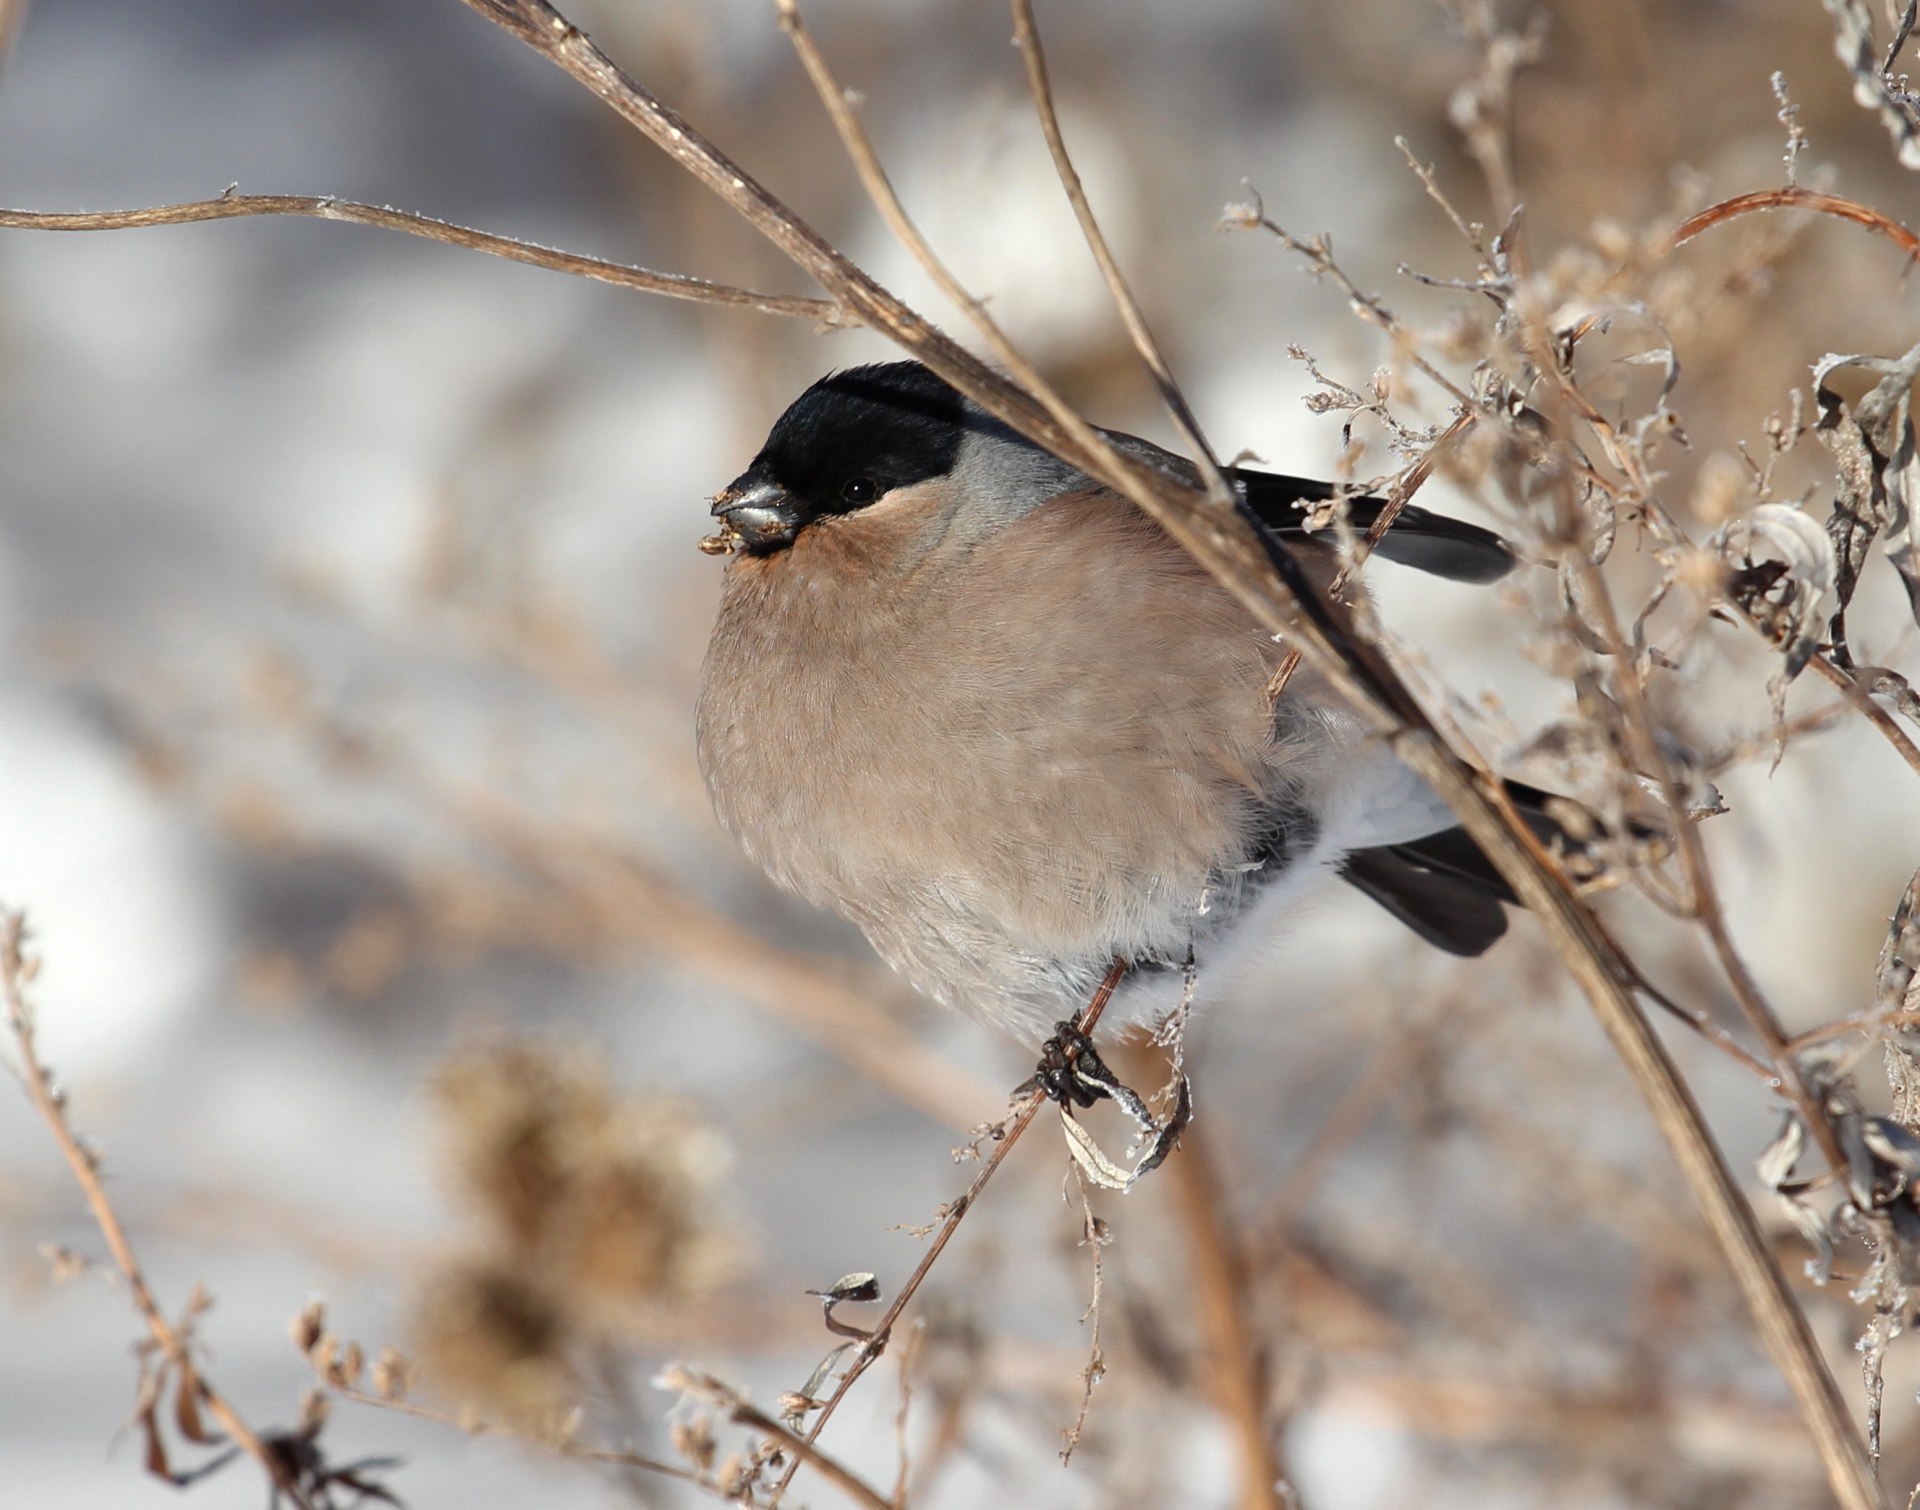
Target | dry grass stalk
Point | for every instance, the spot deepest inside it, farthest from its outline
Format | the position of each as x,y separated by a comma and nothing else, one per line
176,1370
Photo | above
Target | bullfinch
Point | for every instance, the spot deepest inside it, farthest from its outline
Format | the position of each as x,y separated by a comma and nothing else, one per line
986,708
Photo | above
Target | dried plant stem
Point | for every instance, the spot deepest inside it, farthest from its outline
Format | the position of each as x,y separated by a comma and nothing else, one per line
1703,900
1782,1324
1008,1134
1233,1365
1795,198
1398,496
1026,36
743,1412
168,1338
324,207
880,191
1093,1237
610,1457
1594,962
1862,701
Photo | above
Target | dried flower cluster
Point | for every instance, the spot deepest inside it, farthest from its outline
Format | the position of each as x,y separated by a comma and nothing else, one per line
591,1209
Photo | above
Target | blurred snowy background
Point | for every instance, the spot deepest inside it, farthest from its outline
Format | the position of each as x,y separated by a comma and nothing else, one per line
351,614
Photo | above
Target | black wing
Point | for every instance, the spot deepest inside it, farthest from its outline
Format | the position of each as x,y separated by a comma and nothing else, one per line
1421,539
1444,888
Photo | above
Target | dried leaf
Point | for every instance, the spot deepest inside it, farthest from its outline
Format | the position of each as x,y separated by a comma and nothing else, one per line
821,1372
1873,451
1873,88
1102,1171
1780,567
856,1288
154,1452
1776,1161
1092,1162
1776,1165
186,1410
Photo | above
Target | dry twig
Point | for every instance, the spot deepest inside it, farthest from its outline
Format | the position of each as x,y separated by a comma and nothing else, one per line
1004,1135
192,1390
234,206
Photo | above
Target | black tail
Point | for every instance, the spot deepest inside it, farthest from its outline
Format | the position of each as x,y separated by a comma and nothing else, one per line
1443,887
1421,539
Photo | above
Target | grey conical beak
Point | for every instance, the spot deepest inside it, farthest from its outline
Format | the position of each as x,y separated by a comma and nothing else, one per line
757,509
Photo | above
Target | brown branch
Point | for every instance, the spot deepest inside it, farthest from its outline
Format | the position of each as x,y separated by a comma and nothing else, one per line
469,1425
1398,496
1217,537
15,971
1791,197
1005,1135
1596,965
1075,440
1026,36
1862,701
232,206
743,1412
1093,1237
1235,1367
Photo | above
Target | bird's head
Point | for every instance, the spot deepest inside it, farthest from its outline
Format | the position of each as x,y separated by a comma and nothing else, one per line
843,446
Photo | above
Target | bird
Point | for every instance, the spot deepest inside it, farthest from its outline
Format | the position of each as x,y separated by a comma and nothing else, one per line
986,708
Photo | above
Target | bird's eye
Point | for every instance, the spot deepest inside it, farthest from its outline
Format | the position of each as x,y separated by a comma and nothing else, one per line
860,490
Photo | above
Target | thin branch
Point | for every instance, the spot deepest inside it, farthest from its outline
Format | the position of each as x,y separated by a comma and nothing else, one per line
1425,173
909,1356
50,1104
743,1412
1026,36
1791,197
1005,1135
1861,700
610,1457
231,206
1318,252
1398,496
1235,1367
1094,1238
1219,538
886,200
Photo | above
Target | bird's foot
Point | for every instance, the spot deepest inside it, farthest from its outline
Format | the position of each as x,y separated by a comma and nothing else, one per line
1071,1073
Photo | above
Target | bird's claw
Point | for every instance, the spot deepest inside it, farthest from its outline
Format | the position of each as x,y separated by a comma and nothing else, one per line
1071,1073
